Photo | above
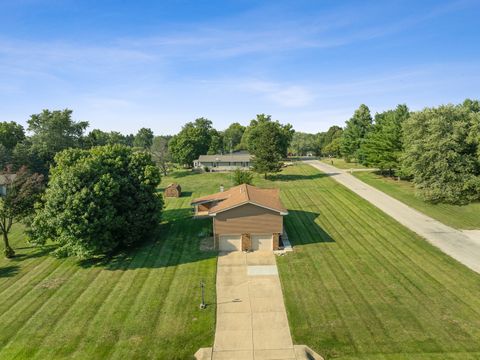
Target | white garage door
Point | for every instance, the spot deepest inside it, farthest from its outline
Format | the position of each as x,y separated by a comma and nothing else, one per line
230,243
262,242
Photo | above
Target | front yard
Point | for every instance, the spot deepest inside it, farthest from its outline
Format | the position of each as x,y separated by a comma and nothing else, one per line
359,286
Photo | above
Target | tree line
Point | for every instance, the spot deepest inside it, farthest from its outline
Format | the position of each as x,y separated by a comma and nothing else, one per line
438,148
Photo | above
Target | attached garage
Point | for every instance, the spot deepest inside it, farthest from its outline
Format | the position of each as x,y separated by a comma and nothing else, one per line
263,242
230,243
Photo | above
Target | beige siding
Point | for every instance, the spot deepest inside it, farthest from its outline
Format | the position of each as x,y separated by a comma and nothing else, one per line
249,219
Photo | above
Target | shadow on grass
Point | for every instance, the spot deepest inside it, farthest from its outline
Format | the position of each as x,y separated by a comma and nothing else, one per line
8,271
38,251
294,177
302,228
177,241
182,173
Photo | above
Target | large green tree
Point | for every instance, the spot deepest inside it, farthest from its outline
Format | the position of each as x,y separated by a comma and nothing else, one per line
11,134
143,138
192,141
268,142
98,200
383,145
303,143
355,132
17,204
232,137
161,153
442,153
54,131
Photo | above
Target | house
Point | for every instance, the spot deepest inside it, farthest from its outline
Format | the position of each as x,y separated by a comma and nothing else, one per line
173,190
5,180
228,162
244,218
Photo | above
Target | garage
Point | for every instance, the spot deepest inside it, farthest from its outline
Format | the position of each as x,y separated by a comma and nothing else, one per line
262,242
230,243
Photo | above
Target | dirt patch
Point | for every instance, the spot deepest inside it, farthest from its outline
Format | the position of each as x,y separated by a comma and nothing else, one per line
54,283
207,244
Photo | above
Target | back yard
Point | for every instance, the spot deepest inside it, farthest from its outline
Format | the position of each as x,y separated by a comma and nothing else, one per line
359,286
460,217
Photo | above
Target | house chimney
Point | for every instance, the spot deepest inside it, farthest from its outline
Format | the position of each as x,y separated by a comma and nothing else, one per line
221,188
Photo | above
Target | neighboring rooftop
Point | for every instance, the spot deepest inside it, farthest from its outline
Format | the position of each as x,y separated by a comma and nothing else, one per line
233,157
243,194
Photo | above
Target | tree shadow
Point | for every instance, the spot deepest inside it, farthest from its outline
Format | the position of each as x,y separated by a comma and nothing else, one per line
182,174
38,251
302,228
177,241
9,271
294,177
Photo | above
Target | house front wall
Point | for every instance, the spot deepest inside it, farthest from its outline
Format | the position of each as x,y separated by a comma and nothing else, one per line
248,219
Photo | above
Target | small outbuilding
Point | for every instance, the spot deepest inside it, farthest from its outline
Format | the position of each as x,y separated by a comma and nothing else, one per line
173,190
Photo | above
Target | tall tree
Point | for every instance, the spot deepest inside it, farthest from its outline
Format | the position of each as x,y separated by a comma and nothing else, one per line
441,153
161,154
98,200
11,134
383,145
232,137
268,141
192,141
22,190
143,138
355,132
54,131
216,143
303,143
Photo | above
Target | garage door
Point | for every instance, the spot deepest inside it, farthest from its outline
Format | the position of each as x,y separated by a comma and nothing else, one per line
262,242
230,243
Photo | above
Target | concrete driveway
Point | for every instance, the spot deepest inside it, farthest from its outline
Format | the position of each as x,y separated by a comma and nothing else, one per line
251,318
463,247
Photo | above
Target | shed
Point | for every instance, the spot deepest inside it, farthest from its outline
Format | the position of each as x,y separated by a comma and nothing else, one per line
173,190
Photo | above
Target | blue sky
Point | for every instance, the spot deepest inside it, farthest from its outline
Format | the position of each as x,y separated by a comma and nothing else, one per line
122,65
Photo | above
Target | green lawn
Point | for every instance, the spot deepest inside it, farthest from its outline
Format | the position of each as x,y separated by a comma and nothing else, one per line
358,286
342,164
361,286
142,304
460,217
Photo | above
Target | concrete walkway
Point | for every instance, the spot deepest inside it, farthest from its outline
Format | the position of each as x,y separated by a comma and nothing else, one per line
251,318
455,243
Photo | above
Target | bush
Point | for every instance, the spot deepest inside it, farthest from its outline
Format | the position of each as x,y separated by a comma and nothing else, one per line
242,177
98,200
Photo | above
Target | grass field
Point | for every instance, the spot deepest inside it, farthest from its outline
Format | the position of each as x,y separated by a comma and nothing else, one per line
342,164
460,217
142,304
359,286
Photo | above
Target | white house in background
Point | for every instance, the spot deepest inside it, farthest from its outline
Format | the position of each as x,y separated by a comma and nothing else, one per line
228,162
5,179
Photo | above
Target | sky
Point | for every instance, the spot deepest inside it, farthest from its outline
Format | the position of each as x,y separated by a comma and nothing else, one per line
123,65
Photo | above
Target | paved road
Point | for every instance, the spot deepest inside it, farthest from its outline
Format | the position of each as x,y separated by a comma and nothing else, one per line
451,241
251,318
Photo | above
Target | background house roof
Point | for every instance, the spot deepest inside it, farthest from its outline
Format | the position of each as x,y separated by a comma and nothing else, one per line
243,194
235,157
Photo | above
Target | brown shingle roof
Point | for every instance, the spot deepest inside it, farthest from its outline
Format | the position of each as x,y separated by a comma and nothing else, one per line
243,194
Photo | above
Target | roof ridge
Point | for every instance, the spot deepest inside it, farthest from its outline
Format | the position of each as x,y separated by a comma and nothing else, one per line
246,191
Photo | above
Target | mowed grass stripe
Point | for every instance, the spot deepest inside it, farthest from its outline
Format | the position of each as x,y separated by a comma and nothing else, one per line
350,248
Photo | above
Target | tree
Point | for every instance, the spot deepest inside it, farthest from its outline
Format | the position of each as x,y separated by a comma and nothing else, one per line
383,145
192,141
144,138
333,149
99,200
54,131
161,154
232,137
326,138
11,134
242,177
303,143
216,143
22,190
441,153
355,132
268,141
